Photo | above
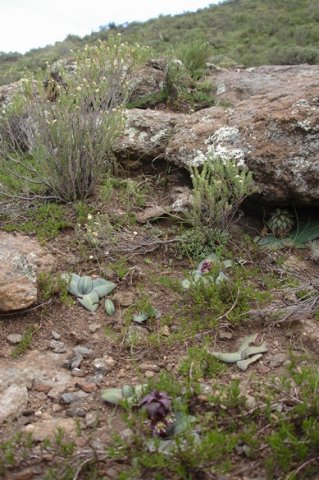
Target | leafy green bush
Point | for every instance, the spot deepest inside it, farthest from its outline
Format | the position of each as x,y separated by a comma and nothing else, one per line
71,123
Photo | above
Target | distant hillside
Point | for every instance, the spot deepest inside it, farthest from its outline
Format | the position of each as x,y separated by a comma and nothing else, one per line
249,32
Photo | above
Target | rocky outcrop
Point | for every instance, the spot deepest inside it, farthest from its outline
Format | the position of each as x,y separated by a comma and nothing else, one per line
272,127
21,258
270,123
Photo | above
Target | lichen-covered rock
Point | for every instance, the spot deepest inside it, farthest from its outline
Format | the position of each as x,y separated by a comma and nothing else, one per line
21,258
271,125
147,133
147,81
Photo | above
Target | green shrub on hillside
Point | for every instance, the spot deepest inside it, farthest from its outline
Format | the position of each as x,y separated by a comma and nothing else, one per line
69,123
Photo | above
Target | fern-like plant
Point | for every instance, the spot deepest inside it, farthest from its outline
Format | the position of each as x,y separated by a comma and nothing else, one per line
219,188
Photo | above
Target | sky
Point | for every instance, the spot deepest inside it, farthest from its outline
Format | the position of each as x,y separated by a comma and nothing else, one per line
26,24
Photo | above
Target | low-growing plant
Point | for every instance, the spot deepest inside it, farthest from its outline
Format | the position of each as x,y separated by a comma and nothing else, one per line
25,342
45,221
50,285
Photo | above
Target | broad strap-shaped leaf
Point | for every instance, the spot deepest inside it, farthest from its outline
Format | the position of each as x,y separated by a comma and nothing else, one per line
90,301
222,277
229,357
85,285
103,287
243,364
141,317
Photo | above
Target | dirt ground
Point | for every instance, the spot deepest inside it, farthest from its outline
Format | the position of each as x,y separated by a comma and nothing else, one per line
148,352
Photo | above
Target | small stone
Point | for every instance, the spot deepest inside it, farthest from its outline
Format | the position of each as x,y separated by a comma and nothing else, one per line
55,335
93,327
55,393
74,411
89,387
24,420
152,367
47,428
250,402
91,419
104,364
41,387
149,374
73,397
225,335
57,408
81,442
57,347
78,373
14,338
278,360
124,299
165,331
38,413
40,396
205,388
126,434
84,351
136,334
76,361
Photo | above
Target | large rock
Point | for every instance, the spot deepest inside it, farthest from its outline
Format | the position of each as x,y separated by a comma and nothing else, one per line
272,126
21,258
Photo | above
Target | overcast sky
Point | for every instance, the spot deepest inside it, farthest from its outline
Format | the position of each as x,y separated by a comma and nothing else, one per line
26,24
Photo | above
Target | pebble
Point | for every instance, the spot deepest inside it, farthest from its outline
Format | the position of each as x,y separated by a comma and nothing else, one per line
250,402
74,411
84,351
89,387
55,335
40,396
277,360
78,373
76,361
225,335
73,397
104,364
136,334
14,338
57,347
41,387
94,327
152,367
149,374
124,299
205,388
91,419
165,331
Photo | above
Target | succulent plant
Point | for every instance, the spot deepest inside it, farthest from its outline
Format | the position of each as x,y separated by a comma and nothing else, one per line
157,405
88,291
109,307
205,267
128,392
281,223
